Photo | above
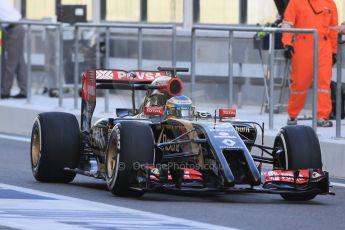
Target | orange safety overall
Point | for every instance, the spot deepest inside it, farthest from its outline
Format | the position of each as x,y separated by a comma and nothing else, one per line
323,16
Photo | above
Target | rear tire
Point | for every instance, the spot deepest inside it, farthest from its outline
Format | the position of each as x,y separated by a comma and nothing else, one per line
55,144
297,147
131,144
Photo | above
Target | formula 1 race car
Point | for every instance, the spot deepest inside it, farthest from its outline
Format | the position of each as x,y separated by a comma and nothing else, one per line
166,145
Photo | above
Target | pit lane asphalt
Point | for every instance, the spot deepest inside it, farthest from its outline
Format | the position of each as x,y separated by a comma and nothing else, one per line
243,211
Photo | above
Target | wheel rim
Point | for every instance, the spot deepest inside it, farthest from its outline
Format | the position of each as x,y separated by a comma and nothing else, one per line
280,149
35,148
112,160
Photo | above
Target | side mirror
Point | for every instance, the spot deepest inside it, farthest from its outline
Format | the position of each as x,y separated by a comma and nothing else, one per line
226,113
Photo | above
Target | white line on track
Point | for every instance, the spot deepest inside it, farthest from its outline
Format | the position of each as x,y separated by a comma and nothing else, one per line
52,211
15,138
338,184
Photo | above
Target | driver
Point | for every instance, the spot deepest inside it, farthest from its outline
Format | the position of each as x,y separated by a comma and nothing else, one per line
179,107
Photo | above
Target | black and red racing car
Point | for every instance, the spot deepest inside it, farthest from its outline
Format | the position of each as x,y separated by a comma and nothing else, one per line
166,145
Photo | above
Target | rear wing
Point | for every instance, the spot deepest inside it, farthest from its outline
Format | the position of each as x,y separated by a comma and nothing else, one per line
125,80
138,76
121,79
135,76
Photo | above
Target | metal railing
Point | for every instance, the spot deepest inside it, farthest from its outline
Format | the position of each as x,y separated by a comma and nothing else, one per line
140,27
271,31
108,26
339,86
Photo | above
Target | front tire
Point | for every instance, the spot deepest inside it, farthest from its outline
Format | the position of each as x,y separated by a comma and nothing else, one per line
298,197
297,147
55,144
131,144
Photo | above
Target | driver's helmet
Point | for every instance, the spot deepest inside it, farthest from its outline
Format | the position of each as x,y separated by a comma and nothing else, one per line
179,107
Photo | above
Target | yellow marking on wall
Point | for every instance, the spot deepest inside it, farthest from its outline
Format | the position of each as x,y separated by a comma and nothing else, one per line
11,2
165,11
123,10
38,9
211,11
341,7
220,11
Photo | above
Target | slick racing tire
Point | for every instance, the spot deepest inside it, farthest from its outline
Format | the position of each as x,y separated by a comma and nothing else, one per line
298,197
55,145
131,144
297,147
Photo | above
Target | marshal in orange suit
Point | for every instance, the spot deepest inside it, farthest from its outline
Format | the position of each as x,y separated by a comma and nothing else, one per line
323,16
